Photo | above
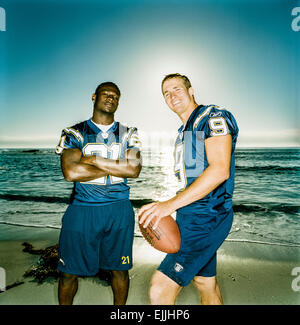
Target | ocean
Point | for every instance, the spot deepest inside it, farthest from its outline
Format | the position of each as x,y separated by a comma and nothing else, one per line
33,192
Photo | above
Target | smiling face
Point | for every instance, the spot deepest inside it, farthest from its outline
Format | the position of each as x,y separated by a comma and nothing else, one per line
178,97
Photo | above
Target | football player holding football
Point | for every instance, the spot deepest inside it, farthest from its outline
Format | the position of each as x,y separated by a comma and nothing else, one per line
204,165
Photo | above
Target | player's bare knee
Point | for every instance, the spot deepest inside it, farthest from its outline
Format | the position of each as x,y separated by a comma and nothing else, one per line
161,293
68,279
120,275
205,283
155,293
156,290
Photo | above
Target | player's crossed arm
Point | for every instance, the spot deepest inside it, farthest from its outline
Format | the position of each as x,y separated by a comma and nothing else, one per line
129,167
78,168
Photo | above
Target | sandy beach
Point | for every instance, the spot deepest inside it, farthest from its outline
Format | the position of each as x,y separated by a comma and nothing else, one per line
248,273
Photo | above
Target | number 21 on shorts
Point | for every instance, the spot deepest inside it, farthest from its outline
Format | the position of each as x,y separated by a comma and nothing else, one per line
125,259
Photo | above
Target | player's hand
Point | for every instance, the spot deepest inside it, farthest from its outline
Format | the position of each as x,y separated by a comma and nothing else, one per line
155,209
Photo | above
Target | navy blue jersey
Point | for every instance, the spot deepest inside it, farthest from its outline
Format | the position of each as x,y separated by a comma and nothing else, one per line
112,144
191,161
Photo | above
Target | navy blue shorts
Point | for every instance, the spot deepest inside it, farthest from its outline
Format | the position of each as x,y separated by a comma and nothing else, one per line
201,236
96,237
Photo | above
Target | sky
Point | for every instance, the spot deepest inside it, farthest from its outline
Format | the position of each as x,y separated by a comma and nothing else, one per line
241,55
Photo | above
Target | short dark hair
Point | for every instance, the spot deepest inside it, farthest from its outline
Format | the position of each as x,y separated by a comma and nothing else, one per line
184,78
108,84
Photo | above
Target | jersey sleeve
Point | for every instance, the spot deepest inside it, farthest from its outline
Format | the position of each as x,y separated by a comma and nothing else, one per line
70,139
133,141
218,122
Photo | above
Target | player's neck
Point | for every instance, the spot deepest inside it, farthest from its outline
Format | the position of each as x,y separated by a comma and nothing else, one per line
103,118
187,113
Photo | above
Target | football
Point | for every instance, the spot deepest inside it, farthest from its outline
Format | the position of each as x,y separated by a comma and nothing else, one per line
166,236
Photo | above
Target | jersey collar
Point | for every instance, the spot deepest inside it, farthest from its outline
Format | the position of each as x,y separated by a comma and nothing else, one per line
195,111
95,128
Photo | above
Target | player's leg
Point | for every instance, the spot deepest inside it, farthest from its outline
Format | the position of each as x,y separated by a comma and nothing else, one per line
68,283
76,252
205,279
67,288
163,290
116,247
120,286
206,283
209,290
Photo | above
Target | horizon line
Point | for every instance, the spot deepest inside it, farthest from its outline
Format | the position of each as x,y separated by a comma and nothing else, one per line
237,147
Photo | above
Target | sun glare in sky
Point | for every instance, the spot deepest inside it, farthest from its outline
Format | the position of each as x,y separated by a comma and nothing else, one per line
240,55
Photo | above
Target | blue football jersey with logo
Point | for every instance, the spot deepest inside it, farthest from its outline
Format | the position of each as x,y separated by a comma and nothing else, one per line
191,160
112,144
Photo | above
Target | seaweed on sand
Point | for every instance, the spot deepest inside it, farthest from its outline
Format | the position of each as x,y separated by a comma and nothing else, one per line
47,265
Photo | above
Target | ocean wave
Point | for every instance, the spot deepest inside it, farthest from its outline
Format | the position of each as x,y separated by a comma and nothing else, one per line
30,198
266,207
10,223
137,203
239,240
26,151
274,168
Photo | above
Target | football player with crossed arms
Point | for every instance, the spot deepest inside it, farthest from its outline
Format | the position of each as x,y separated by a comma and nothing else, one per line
98,155
204,165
